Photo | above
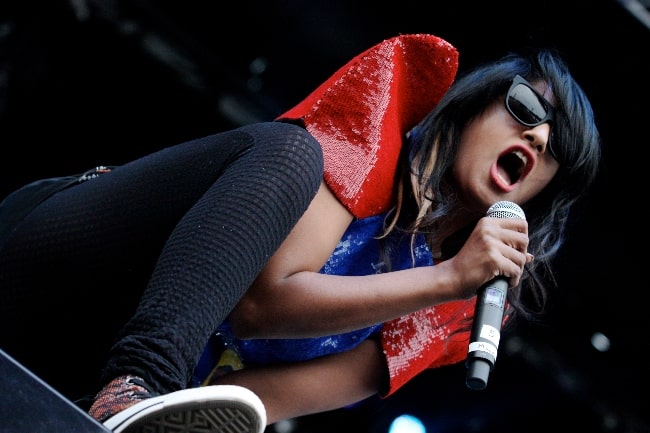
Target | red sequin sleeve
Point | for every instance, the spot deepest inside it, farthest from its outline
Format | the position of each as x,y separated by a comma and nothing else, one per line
429,338
362,112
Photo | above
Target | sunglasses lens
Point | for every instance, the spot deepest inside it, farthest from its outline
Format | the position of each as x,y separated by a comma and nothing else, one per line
525,105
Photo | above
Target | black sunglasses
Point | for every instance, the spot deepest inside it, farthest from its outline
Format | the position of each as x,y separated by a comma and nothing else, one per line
528,107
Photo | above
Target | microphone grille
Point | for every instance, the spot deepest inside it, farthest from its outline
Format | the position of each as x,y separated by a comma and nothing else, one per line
505,209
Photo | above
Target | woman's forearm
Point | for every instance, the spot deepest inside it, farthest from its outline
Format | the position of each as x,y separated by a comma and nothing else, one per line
310,304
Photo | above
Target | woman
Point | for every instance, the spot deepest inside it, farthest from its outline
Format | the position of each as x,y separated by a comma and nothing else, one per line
351,286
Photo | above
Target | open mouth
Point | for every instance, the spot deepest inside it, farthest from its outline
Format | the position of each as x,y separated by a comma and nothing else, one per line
512,166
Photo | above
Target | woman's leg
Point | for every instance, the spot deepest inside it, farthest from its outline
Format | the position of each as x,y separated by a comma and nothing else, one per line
317,385
215,252
194,223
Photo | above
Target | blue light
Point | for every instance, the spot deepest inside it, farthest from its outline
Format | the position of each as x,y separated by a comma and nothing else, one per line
406,424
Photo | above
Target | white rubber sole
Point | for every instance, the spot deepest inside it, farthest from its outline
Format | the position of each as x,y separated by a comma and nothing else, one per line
208,409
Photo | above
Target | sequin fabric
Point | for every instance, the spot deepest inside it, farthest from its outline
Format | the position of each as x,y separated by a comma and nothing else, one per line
428,338
362,112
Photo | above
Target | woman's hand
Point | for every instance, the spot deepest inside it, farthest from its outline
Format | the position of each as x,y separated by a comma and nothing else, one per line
496,247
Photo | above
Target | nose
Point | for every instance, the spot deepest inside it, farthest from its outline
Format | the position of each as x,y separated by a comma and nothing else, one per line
538,136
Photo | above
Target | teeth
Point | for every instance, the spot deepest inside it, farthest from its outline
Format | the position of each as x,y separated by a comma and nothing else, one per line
521,156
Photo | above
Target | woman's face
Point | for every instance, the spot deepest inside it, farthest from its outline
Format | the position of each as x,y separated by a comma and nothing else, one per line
501,159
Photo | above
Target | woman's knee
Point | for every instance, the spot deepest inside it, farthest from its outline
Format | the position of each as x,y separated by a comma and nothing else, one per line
291,146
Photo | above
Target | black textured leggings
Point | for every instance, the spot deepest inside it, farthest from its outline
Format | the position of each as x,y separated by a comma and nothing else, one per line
167,244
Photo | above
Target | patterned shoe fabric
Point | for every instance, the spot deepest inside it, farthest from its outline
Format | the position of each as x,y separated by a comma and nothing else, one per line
120,394
214,409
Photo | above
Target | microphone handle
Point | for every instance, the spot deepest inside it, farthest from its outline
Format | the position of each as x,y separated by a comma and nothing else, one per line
486,332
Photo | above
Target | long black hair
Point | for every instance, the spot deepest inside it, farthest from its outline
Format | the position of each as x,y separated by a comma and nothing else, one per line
432,145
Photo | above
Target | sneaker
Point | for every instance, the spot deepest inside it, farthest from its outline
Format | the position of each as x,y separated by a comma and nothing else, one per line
120,394
217,408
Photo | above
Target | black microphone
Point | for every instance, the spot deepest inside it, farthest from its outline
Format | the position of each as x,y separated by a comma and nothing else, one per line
488,314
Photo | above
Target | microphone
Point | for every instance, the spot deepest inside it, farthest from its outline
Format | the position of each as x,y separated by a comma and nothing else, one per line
488,314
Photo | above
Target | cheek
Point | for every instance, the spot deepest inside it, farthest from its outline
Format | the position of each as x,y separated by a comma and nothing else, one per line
472,142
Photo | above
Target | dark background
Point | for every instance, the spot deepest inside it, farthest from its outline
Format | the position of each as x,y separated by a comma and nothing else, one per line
84,83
